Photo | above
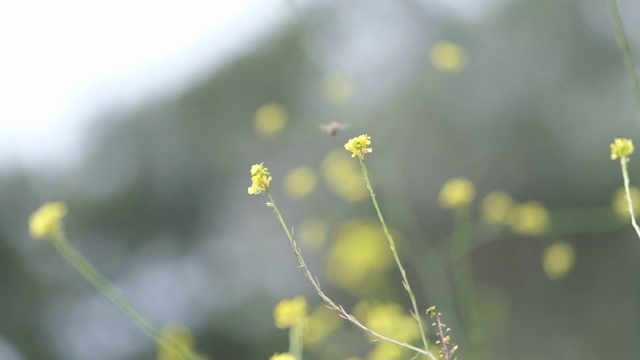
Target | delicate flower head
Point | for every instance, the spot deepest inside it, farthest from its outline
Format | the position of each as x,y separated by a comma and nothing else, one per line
457,193
621,148
260,179
46,222
283,356
290,312
359,146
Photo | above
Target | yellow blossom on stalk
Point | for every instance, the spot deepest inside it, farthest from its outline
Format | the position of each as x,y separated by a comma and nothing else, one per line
495,207
46,222
283,356
619,202
456,193
529,218
621,148
359,146
290,312
260,179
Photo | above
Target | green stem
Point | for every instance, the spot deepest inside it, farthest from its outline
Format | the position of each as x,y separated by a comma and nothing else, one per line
463,275
625,175
84,267
392,245
623,45
330,304
295,341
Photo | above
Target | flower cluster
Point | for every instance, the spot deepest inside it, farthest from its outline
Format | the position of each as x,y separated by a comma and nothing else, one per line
46,222
288,313
260,179
359,146
621,148
448,349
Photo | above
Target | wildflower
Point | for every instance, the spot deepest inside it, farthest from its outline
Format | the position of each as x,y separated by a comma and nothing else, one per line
260,179
529,218
495,207
621,148
288,313
558,259
46,222
620,205
359,145
283,356
457,193
270,119
448,57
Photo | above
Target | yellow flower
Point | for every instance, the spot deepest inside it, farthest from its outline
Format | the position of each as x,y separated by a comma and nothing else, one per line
180,336
260,179
621,148
283,356
619,202
448,56
359,146
457,193
300,182
46,222
288,313
270,119
558,259
495,207
529,218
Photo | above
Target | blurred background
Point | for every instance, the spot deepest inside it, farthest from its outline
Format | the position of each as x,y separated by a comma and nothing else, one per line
146,118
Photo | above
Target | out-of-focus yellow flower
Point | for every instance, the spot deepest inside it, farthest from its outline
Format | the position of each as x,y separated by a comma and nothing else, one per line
313,233
619,202
180,336
46,222
337,88
359,146
529,218
290,312
621,148
387,351
388,319
300,182
495,207
260,179
557,259
343,176
320,324
270,119
283,356
448,56
358,253
456,193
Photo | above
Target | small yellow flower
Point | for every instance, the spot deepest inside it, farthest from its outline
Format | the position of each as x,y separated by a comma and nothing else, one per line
621,148
46,222
456,193
288,313
260,179
270,119
283,356
495,207
529,218
448,57
620,205
359,146
557,259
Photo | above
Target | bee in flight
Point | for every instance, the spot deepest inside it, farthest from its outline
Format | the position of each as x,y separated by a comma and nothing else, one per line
333,128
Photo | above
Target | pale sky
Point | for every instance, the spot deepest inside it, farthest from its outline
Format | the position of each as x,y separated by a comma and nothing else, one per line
63,61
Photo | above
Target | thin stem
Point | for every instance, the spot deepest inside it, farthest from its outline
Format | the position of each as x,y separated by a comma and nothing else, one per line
392,245
623,44
330,304
96,279
625,175
463,276
295,340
